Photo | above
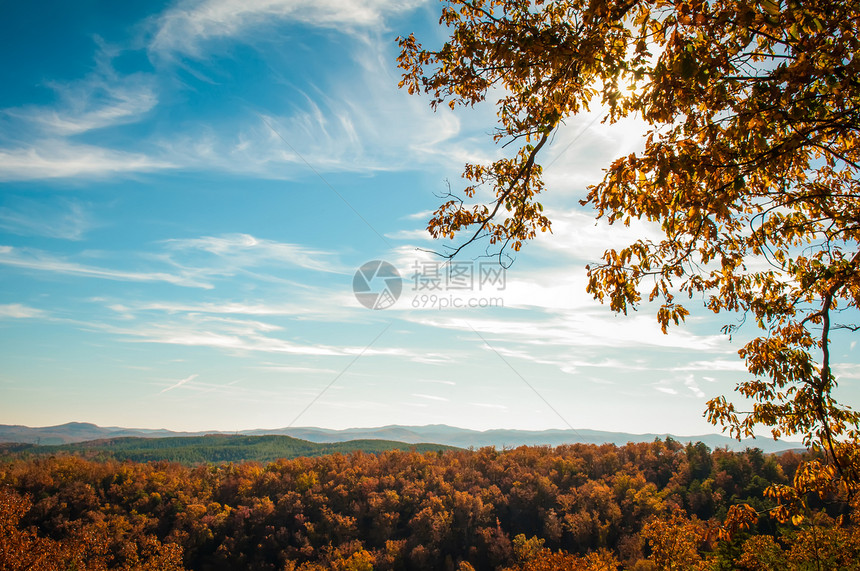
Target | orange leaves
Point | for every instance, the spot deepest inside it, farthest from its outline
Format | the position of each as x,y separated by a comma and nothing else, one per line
739,517
532,556
534,55
675,541
815,477
751,165
580,507
671,312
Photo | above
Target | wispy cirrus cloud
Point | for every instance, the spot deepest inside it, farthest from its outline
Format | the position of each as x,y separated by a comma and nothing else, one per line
295,369
238,335
39,140
431,397
192,262
56,158
846,371
64,219
693,386
100,100
38,260
257,308
674,386
578,329
187,379
577,234
245,250
713,365
356,120
186,26
20,311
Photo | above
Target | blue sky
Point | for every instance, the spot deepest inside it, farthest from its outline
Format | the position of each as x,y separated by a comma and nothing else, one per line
188,189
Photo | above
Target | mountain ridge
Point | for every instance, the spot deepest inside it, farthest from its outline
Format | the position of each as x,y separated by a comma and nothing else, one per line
77,432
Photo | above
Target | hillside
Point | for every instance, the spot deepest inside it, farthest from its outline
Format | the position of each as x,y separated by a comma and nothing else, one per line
581,507
211,448
75,432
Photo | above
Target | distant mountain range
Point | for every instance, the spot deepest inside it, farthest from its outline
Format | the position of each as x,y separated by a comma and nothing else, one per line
74,432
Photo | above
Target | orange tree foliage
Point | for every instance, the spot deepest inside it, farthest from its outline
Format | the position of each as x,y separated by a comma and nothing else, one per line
97,542
750,168
582,506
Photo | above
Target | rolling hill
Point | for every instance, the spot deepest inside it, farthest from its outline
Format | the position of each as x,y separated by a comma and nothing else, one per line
214,448
77,432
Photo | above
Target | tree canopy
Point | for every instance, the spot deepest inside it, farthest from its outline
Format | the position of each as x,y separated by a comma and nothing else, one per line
577,507
750,168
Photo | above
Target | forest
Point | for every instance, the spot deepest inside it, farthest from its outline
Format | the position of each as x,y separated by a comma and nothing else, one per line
659,505
208,448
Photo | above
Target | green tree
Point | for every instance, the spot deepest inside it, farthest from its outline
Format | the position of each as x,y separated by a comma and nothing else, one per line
750,167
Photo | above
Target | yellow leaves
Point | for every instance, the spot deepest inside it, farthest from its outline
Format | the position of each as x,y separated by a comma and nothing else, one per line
815,477
770,6
797,519
739,517
671,312
675,541
751,154
306,481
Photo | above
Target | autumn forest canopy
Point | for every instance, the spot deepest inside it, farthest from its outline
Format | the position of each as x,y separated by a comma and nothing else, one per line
573,507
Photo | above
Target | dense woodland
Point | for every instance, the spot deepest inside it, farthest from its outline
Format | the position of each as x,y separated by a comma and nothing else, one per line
640,506
208,448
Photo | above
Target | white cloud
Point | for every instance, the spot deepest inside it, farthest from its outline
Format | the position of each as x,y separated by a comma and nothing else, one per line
294,369
184,27
245,250
225,307
847,371
102,98
423,215
56,158
436,382
411,235
63,219
576,234
584,147
94,103
430,397
690,383
237,335
577,329
712,365
553,288
38,144
354,119
489,405
431,358
41,261
19,311
180,383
